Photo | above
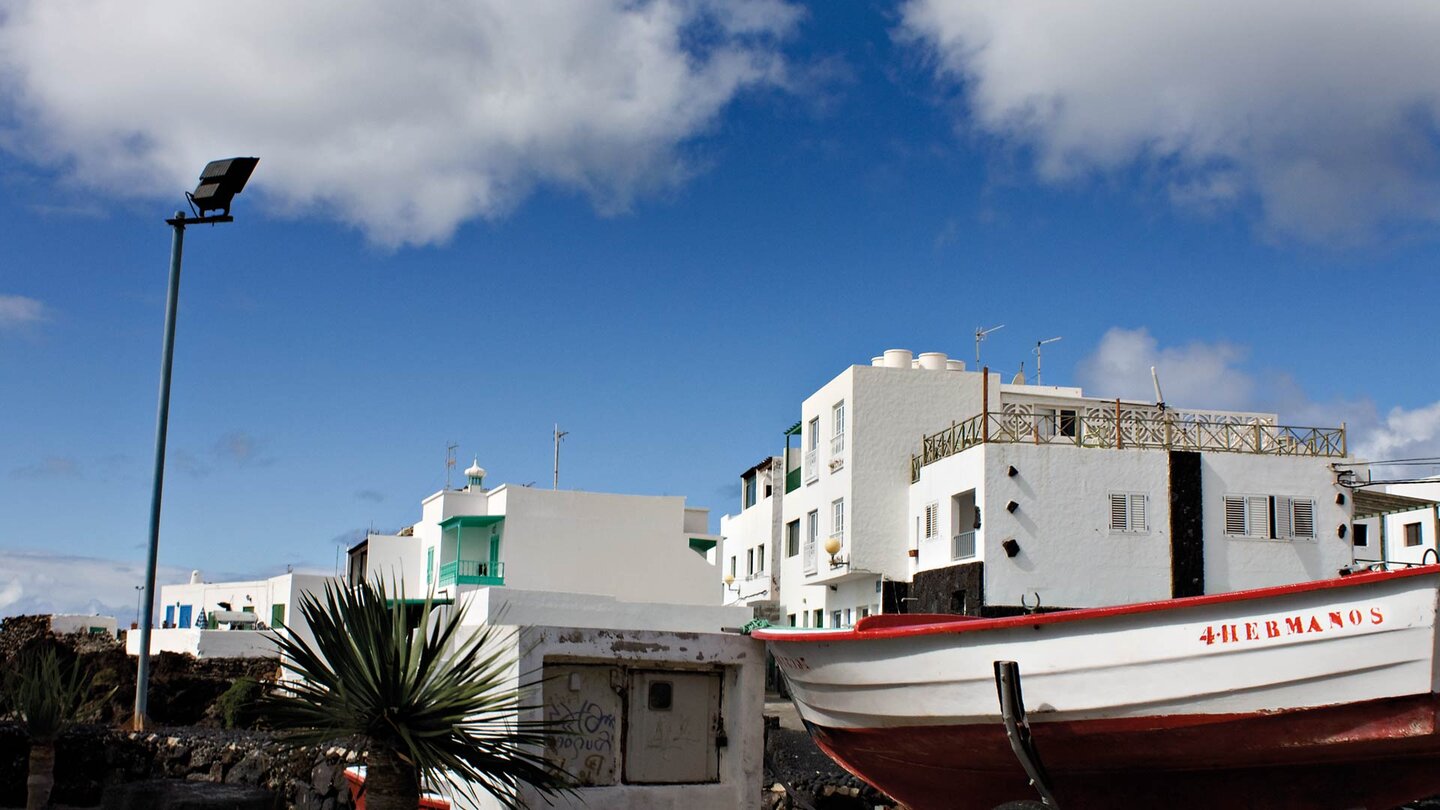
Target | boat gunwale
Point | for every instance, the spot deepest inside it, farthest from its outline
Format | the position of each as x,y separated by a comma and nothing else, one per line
969,624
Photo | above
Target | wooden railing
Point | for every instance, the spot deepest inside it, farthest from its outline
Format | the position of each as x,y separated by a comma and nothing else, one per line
1129,428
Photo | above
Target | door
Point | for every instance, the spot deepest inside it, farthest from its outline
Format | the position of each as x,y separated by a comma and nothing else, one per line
671,727
584,699
184,616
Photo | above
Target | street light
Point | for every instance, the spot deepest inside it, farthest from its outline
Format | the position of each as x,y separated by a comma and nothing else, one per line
220,181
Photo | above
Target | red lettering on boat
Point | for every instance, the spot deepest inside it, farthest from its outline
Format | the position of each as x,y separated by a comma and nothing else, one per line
1272,629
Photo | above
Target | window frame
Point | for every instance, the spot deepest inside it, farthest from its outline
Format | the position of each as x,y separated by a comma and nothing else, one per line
1135,504
1419,534
792,540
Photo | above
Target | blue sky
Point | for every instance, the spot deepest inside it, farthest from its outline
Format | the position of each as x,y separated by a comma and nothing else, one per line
662,225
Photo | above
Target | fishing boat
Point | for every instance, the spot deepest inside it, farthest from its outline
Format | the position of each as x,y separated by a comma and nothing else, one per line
1313,695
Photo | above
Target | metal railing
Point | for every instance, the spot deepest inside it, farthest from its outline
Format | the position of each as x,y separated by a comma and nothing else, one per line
472,572
812,470
1130,428
962,545
837,445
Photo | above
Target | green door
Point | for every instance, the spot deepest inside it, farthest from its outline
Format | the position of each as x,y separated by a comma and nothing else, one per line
277,615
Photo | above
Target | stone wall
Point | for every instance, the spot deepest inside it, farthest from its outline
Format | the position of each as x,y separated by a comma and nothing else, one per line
91,759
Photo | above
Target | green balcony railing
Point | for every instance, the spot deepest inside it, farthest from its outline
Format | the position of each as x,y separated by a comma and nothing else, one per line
792,480
473,572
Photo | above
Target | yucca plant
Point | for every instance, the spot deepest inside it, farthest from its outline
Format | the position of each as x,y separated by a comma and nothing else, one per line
422,700
45,695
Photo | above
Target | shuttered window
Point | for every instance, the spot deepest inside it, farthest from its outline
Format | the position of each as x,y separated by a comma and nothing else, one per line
1277,517
1303,522
932,520
1127,512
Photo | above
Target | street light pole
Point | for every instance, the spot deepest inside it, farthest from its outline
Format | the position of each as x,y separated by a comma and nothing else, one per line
220,181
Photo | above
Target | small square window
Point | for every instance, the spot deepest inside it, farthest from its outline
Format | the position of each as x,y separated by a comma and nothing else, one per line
1412,534
662,694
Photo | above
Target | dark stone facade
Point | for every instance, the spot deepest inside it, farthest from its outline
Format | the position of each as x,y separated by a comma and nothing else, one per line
956,589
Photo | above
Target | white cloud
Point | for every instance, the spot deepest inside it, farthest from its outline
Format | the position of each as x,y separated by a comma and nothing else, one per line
1198,375
1324,114
1204,376
17,311
403,119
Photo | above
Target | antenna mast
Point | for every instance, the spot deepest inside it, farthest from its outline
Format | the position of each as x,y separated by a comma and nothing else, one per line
1038,344
980,335
559,434
449,461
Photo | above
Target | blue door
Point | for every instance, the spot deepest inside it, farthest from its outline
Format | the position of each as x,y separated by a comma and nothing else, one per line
184,616
169,615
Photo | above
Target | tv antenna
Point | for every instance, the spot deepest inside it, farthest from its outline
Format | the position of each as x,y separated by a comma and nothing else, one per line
449,461
1038,344
559,434
980,334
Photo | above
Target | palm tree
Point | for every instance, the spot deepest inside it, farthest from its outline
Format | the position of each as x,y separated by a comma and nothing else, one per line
45,695
394,688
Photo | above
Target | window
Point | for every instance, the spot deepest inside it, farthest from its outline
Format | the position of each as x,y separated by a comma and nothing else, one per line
932,520
1361,533
790,619
732,565
1277,517
429,564
750,562
792,538
760,559
864,611
835,619
812,533
749,492
837,432
848,615
812,452
1127,513
805,617
1412,534
819,617
1068,423
837,519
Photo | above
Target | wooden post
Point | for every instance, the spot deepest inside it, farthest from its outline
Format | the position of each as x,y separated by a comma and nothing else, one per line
1343,434
985,405
1119,440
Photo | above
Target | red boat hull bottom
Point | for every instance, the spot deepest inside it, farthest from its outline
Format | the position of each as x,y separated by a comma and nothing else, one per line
1377,755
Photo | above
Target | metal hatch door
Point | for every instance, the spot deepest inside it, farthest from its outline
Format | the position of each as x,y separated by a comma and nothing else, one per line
585,701
671,727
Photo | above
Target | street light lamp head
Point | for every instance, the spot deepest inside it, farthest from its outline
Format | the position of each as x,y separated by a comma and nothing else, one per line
220,181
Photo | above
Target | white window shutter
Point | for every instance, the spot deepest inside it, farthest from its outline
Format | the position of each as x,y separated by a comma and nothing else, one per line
1234,515
1304,517
1257,516
1138,522
1283,515
1119,513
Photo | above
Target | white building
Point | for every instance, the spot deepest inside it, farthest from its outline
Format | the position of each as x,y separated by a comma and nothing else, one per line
751,540
639,548
89,624
228,619
1397,524
922,487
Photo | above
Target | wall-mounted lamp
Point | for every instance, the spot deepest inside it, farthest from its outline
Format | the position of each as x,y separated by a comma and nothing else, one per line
1339,499
1012,472
832,547
730,584
1341,530
1011,547
1011,506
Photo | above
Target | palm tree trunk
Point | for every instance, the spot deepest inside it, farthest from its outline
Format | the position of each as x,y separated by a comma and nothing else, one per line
41,779
390,784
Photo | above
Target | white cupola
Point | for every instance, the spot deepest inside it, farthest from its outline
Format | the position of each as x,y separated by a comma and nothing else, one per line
475,475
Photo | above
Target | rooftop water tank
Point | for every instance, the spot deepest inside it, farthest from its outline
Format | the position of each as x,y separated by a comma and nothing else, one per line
932,361
955,365
898,358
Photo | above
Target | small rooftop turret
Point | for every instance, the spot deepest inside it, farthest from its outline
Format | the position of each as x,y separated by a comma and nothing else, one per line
475,475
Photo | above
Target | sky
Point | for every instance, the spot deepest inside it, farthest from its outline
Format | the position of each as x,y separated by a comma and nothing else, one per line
661,224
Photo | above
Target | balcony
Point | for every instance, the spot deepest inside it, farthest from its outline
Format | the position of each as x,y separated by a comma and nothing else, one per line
1131,427
472,572
812,468
962,545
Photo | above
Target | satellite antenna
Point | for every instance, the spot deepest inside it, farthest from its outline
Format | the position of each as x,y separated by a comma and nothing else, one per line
1159,397
1019,379
980,335
449,461
1038,344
